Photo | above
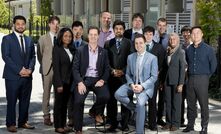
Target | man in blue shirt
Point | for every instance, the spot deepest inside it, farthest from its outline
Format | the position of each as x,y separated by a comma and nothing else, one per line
202,64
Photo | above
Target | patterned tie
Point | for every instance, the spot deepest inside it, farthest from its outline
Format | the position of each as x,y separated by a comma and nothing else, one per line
118,46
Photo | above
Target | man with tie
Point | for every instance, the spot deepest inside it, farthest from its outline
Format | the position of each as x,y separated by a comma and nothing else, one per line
118,50
77,29
18,53
157,50
91,72
141,74
137,24
44,52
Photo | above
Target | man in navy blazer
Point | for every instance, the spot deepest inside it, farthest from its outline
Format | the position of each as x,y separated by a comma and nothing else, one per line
18,53
90,72
141,74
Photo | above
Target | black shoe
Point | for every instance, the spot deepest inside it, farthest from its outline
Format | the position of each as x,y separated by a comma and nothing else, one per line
161,122
112,128
125,129
203,131
188,129
183,125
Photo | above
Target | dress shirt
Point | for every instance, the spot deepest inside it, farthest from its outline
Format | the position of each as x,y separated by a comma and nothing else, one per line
92,67
79,42
139,61
69,53
104,36
19,39
165,39
201,60
52,35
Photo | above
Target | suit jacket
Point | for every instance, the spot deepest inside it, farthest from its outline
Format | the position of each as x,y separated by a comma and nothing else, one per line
81,63
12,56
62,67
128,33
159,52
44,53
174,72
149,71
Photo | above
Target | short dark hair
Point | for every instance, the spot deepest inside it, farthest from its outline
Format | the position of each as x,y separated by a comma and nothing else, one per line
93,27
61,34
19,17
185,28
162,19
196,27
119,22
149,29
139,36
77,24
52,18
138,15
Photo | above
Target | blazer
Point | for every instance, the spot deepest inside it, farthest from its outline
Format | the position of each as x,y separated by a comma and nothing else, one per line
44,53
128,33
62,67
149,71
160,53
81,63
12,56
174,72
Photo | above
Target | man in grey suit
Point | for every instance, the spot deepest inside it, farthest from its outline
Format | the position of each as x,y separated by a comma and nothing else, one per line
44,54
141,77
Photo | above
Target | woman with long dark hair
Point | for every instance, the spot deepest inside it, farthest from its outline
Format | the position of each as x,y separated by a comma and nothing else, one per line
62,58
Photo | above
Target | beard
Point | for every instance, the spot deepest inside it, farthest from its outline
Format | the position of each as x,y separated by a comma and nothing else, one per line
19,30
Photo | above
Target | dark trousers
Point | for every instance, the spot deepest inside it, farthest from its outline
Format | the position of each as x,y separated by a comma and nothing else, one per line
173,105
102,97
21,90
60,106
161,102
197,89
113,84
70,106
183,104
152,111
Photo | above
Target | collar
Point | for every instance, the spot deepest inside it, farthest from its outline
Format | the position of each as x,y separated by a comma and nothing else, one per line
52,34
91,50
140,31
18,34
142,54
118,39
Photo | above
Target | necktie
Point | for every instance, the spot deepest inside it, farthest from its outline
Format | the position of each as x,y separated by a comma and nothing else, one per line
77,44
22,45
148,47
55,40
161,40
118,46
138,69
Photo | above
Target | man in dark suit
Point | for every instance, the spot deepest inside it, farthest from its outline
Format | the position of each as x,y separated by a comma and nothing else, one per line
77,29
91,72
157,50
118,50
137,23
18,53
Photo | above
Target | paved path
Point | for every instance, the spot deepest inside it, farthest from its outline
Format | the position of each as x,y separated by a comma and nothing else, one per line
35,116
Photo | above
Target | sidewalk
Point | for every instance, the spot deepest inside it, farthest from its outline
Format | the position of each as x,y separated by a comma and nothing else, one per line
35,114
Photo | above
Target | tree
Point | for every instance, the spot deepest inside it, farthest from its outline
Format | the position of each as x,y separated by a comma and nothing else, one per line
4,13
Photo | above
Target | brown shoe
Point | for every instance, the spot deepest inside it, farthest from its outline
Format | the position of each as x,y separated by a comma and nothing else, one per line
166,127
26,126
47,120
99,119
78,132
12,129
60,130
173,128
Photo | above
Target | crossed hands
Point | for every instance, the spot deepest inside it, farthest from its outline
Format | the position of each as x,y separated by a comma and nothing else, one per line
82,88
25,72
137,88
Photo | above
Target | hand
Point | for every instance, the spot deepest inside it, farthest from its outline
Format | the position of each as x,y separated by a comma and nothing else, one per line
161,87
138,88
81,88
179,88
119,73
60,89
99,83
24,72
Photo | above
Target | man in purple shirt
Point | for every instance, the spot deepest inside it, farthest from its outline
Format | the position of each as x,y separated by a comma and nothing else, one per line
91,72
106,31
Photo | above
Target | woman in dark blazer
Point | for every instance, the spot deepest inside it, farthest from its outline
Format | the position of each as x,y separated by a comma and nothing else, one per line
174,75
62,59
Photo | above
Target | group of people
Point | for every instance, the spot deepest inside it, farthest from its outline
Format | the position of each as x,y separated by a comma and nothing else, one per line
131,66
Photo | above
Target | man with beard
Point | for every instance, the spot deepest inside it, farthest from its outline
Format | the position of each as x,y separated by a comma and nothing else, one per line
118,50
18,53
